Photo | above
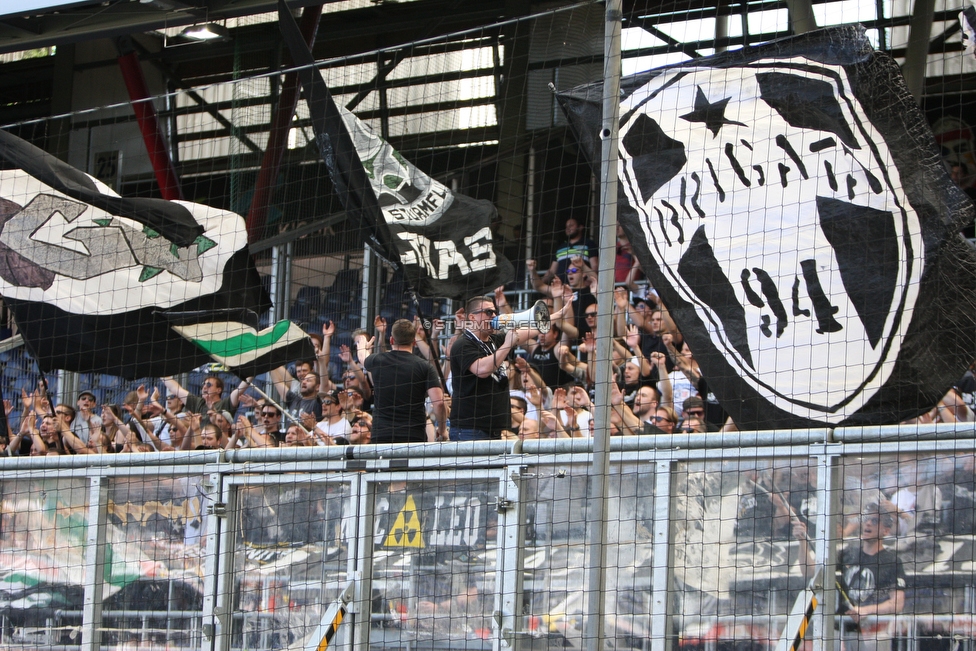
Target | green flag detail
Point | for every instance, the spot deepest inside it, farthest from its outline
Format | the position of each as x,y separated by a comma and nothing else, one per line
236,344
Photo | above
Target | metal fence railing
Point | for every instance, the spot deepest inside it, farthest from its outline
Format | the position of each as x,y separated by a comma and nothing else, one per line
483,546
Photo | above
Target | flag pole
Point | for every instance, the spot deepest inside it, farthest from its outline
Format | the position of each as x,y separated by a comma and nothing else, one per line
595,595
281,409
426,324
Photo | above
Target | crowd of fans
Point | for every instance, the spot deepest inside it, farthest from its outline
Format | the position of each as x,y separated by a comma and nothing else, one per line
550,379
401,370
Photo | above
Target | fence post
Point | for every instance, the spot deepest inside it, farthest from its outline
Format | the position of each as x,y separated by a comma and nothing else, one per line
219,502
508,595
661,572
362,607
91,629
830,518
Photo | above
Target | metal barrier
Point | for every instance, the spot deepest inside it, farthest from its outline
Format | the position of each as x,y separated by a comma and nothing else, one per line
482,546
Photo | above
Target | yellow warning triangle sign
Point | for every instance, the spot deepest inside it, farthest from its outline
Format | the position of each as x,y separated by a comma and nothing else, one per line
405,531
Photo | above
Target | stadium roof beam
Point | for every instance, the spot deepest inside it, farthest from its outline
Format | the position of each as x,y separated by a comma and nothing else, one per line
381,29
802,19
178,82
879,6
475,136
348,28
384,69
648,26
60,25
916,54
721,31
941,42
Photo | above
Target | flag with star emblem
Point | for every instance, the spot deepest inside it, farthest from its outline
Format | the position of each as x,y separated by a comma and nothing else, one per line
441,238
789,204
90,275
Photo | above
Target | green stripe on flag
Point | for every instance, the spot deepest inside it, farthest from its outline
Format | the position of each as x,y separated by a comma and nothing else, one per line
243,349
223,348
19,580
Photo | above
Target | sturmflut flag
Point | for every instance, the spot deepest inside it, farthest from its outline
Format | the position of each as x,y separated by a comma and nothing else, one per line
90,276
440,237
790,205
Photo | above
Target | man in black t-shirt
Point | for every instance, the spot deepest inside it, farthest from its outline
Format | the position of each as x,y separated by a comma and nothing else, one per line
479,401
402,382
306,400
544,357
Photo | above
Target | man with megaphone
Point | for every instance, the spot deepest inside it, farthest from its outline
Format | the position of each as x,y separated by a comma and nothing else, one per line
480,407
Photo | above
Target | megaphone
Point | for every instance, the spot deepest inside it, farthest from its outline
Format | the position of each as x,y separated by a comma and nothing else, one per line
536,317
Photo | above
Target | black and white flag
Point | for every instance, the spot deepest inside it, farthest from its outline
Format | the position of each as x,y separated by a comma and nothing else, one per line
93,278
967,21
442,238
790,205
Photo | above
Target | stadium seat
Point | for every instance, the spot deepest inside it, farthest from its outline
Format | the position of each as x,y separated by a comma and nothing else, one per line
344,291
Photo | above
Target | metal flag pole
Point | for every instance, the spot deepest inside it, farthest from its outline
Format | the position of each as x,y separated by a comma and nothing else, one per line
593,628
284,412
427,324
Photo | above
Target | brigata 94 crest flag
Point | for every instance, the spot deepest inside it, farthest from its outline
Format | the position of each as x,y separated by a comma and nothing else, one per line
789,204
441,238
96,281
